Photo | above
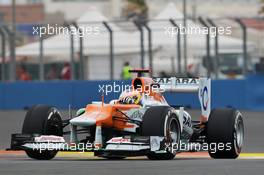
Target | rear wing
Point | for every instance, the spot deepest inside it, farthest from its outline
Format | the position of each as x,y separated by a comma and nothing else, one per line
188,85
140,71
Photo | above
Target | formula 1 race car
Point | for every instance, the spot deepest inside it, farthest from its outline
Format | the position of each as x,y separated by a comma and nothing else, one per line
139,123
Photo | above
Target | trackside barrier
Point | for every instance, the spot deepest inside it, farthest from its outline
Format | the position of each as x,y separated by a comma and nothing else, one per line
245,94
255,92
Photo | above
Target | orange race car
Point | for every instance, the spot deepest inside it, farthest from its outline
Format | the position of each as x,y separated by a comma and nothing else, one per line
140,122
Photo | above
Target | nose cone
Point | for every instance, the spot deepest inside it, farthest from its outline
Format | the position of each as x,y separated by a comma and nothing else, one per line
83,121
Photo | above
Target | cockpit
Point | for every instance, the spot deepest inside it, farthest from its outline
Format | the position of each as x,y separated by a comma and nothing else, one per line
130,98
140,93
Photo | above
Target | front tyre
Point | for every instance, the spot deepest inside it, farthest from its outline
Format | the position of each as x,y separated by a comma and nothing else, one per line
162,121
225,127
43,120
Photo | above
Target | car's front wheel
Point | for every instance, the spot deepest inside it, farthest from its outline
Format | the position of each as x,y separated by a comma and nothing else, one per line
161,121
43,120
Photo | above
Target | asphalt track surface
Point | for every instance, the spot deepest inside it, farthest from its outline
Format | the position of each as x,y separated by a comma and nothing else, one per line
250,162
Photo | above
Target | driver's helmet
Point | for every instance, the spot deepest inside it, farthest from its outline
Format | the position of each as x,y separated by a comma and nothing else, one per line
130,98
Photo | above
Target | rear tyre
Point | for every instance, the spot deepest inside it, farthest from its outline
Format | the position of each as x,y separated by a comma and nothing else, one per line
162,121
43,120
225,127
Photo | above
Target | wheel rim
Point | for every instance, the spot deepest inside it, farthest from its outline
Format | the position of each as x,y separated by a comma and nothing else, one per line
173,131
238,133
173,135
54,123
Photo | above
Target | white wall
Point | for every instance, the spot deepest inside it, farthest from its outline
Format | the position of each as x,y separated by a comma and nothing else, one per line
98,67
73,10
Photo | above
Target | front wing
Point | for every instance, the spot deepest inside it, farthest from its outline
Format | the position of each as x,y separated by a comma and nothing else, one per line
117,146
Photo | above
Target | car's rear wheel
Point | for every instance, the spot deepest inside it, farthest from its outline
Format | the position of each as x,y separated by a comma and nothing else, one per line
225,127
43,120
161,121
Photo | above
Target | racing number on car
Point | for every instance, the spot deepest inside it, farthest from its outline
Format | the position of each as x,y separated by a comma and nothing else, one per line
187,121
